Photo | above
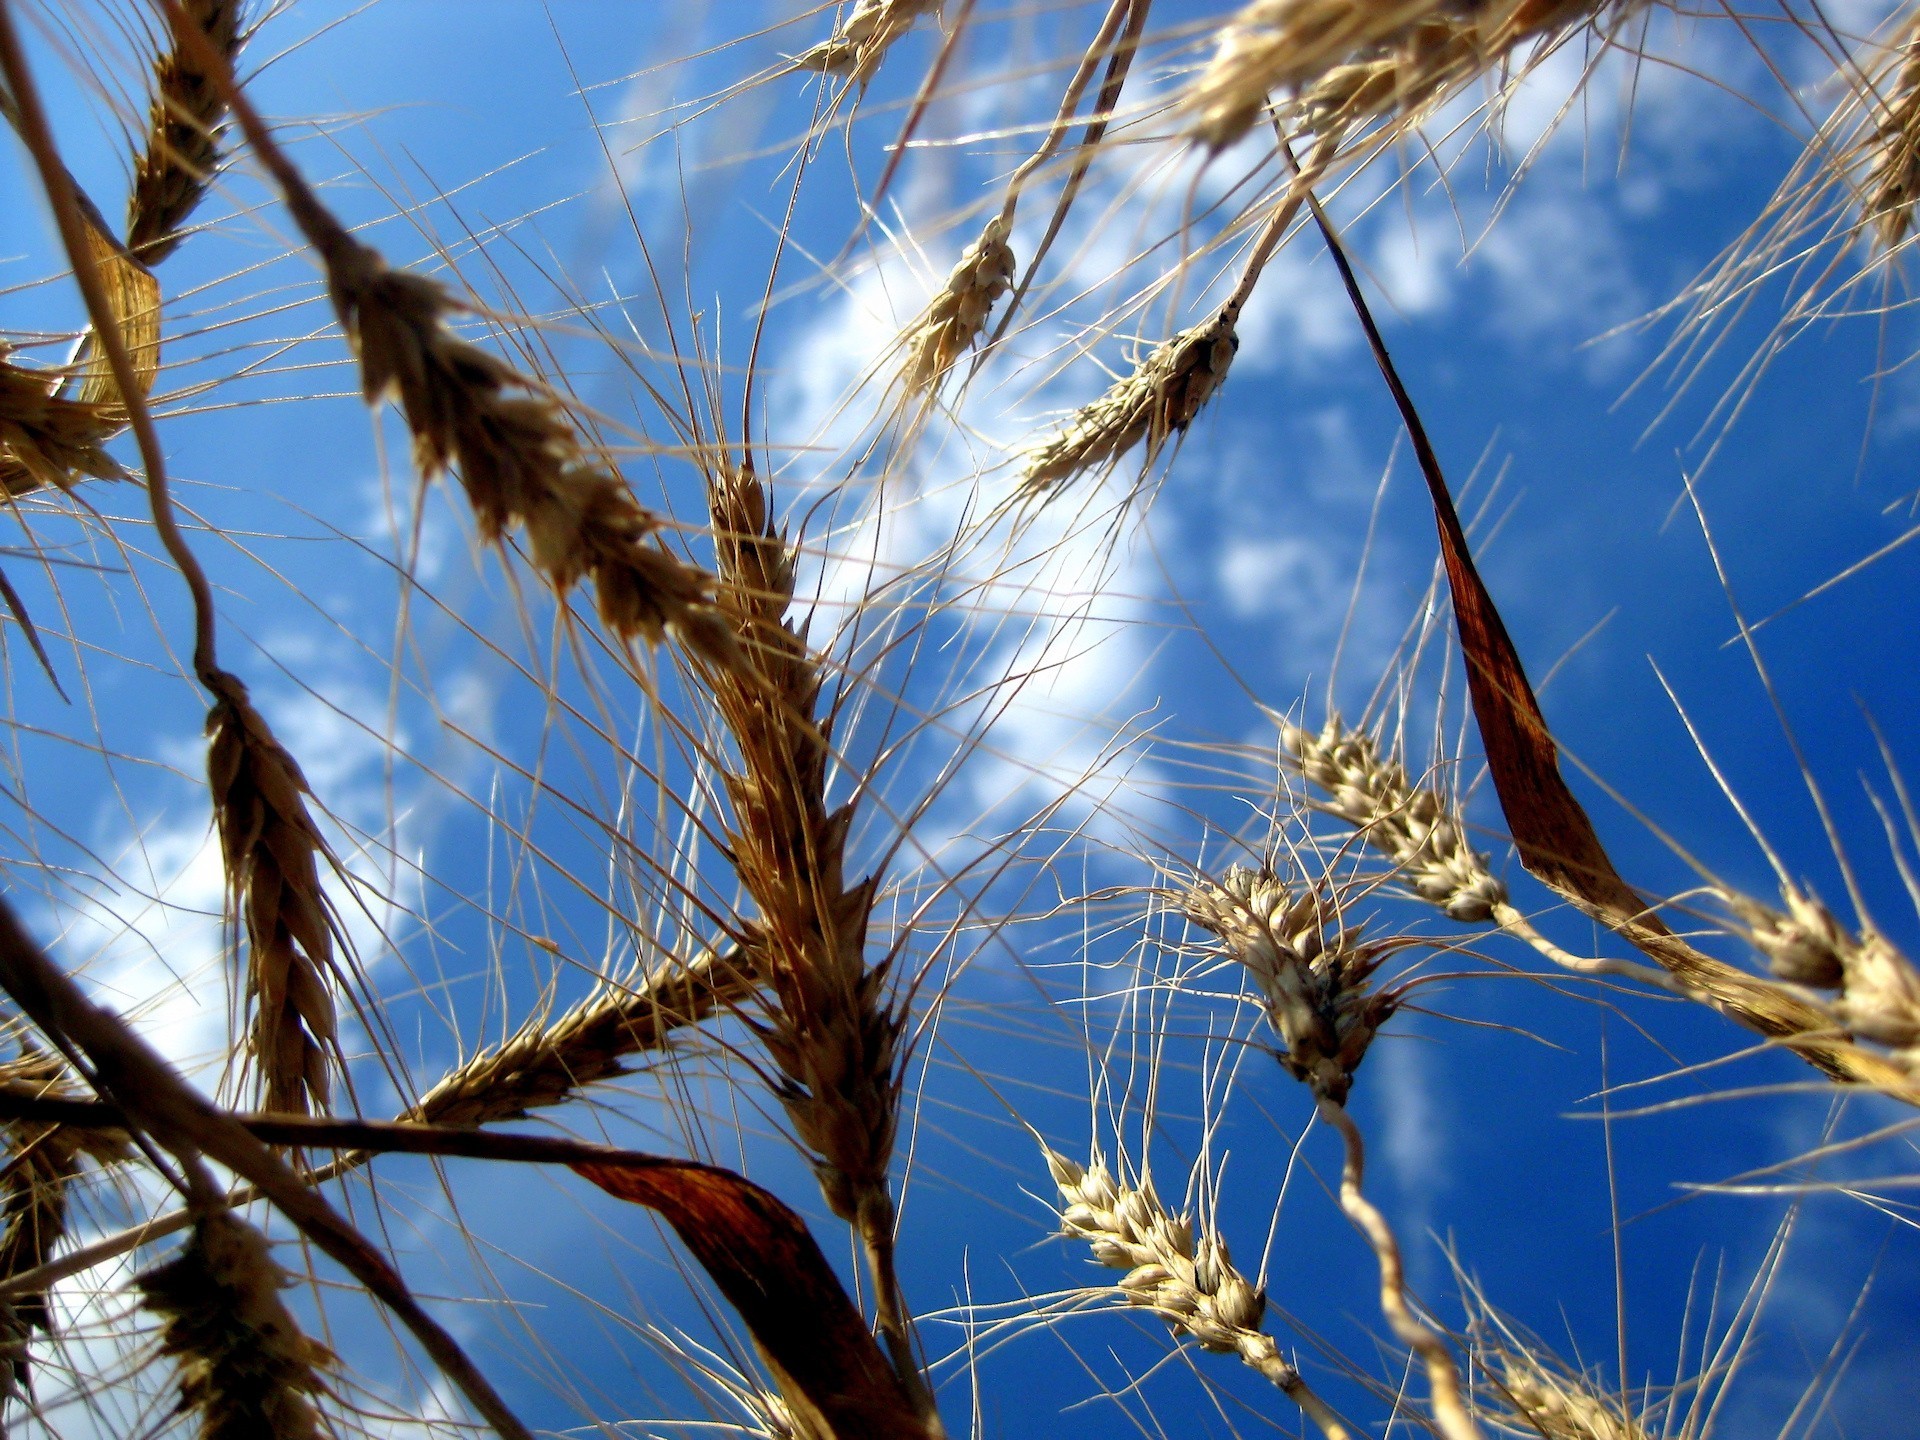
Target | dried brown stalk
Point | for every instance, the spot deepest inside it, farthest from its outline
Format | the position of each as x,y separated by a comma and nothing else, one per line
548,1061
1190,1283
182,150
1311,970
1893,156
1346,62
246,1369
272,851
862,38
1875,988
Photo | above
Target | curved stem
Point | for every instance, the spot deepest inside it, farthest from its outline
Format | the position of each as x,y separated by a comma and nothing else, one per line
1444,1394
1517,925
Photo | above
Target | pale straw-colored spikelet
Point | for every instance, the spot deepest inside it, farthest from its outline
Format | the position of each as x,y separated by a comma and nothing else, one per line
1189,1281
48,439
1311,970
547,1061
1893,165
954,318
1341,62
861,40
246,1370
182,151
273,852
1190,1284
1418,829
1154,402
1875,989
1525,1389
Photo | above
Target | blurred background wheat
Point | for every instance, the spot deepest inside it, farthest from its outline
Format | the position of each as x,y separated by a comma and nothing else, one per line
917,717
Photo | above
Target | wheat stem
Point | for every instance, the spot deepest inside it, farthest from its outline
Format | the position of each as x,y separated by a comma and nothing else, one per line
1444,1393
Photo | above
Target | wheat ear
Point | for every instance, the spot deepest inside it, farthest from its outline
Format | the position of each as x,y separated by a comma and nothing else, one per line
861,40
273,851
1893,157
1425,836
1190,1283
1163,395
1312,971
246,1370
958,312
1348,62
47,439
1875,988
831,1029
547,1061
42,1163
182,151
519,456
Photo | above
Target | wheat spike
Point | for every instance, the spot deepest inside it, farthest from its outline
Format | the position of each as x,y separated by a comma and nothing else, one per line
1311,970
1346,62
1876,990
1416,828
246,1370
182,143
1155,402
272,852
861,40
954,318
1893,162
48,439
1190,1282
42,1163
546,1062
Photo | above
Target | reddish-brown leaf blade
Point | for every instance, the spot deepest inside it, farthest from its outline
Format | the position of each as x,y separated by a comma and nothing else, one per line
765,1261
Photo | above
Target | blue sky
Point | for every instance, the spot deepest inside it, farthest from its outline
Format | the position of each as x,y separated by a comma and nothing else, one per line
1526,318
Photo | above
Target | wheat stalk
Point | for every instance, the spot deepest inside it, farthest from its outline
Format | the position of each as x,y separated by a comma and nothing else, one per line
246,1370
862,38
182,149
1190,1283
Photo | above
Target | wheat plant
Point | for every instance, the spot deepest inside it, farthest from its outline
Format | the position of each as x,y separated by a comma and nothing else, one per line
697,688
